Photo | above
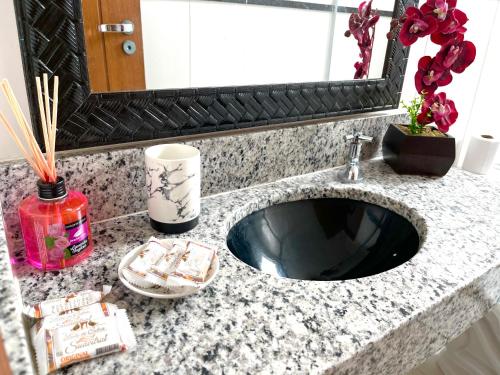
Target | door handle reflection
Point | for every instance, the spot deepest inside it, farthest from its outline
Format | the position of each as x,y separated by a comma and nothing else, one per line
126,27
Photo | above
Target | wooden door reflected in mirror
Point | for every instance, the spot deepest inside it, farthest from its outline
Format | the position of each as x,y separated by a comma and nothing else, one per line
115,59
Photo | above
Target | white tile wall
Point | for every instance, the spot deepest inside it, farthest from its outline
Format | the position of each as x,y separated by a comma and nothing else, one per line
166,38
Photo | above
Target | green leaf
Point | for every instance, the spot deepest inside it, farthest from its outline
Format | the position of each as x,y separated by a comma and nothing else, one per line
67,253
50,242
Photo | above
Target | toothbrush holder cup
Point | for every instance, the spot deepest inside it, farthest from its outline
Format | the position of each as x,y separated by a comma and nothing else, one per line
173,187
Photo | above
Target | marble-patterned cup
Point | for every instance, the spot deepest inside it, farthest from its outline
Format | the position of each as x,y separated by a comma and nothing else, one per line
173,185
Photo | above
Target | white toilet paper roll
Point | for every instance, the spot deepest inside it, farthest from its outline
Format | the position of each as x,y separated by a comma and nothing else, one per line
481,153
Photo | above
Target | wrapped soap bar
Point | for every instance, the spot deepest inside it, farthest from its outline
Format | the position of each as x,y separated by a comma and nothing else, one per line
137,278
85,313
84,339
192,267
151,254
183,264
70,302
195,262
135,272
158,274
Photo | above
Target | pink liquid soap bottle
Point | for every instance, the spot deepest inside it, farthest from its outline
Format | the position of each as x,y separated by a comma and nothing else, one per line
55,226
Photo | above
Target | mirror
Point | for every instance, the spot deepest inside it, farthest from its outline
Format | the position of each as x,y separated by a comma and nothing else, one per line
169,44
175,74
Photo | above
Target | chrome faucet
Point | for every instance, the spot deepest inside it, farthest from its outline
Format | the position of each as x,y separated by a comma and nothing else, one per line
352,173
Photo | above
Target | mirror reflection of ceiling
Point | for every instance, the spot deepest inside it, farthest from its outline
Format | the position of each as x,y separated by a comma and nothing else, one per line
203,43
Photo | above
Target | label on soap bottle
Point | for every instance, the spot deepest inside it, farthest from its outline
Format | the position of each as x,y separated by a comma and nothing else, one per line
78,236
66,240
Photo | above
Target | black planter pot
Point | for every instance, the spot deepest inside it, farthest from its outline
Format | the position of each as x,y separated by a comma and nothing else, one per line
418,154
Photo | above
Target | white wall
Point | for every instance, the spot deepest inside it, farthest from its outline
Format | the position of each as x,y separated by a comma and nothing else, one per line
483,117
377,4
166,39
247,45
475,90
208,43
12,69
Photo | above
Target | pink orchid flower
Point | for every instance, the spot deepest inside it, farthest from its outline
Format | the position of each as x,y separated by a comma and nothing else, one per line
362,28
457,55
440,110
416,25
431,75
451,28
438,8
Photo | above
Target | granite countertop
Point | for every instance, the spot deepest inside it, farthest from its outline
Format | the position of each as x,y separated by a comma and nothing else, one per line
249,322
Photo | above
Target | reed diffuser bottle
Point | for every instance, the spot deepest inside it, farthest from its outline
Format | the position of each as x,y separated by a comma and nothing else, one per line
54,222
55,226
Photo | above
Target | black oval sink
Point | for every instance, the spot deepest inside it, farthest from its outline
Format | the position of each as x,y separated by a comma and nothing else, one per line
323,239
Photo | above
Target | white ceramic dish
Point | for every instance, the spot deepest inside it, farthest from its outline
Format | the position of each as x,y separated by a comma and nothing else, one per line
164,293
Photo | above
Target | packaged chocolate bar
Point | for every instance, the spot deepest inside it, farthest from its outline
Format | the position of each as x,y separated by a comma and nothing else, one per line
70,302
95,336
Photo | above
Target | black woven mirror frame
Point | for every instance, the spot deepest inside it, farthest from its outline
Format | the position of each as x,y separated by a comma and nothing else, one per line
52,41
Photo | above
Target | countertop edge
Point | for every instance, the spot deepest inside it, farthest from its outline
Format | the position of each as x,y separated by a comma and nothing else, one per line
11,317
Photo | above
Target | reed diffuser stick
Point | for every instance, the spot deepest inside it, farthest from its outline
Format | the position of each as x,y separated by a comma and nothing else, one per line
19,144
48,116
45,129
44,166
25,128
55,103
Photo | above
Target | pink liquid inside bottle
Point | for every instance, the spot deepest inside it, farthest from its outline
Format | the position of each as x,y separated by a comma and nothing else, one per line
55,226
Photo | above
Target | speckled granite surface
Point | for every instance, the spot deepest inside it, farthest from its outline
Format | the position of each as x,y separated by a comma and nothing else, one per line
114,181
249,322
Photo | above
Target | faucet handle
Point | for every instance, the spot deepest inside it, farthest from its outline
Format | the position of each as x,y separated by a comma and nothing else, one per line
352,173
357,137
